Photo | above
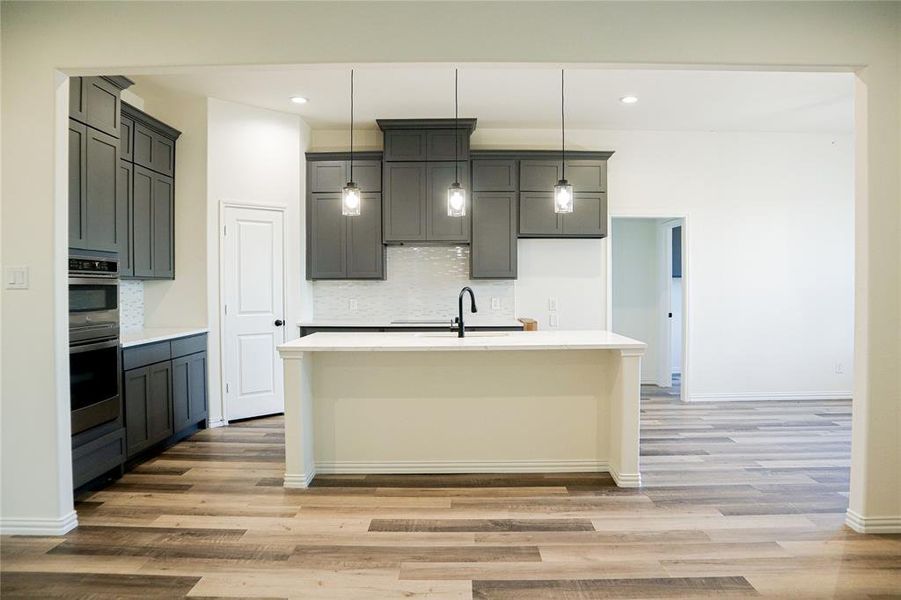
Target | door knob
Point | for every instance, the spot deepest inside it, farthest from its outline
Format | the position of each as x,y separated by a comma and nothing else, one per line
279,322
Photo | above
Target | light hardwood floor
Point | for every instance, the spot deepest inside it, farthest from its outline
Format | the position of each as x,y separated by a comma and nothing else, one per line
740,499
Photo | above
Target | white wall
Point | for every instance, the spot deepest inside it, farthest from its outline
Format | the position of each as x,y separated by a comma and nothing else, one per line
255,157
768,243
636,287
37,41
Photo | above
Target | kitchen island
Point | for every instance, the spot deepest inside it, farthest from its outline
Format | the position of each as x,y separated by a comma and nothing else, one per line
492,402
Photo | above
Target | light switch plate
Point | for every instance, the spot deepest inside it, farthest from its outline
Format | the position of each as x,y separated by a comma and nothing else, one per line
553,320
352,305
495,303
15,278
552,304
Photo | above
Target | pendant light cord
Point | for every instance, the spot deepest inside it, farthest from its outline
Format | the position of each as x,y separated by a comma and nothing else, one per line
351,124
456,133
562,129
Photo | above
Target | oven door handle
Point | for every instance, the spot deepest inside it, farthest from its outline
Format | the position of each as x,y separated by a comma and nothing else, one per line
107,281
94,346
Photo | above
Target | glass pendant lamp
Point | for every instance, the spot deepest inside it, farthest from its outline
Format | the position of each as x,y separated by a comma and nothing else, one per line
563,191
351,200
456,193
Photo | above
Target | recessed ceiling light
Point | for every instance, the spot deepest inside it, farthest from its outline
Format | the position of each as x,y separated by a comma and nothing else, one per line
629,99
298,100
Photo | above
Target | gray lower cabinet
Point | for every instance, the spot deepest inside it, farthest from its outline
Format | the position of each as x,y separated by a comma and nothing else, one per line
165,391
148,406
493,253
189,390
340,247
152,225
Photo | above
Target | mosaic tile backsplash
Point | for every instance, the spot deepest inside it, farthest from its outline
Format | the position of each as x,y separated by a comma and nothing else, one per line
131,304
422,283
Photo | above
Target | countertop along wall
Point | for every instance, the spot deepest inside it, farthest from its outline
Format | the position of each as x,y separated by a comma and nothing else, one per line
769,242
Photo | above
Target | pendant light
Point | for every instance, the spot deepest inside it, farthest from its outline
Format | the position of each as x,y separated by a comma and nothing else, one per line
563,191
456,194
351,199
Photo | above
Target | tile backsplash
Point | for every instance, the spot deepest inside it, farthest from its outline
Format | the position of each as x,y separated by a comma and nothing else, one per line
422,283
131,304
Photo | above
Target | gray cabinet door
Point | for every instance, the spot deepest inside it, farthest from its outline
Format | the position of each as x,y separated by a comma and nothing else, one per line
148,406
102,105
537,216
538,175
440,226
103,212
126,139
365,252
493,250
367,175
404,201
77,182
188,390
587,175
163,227
589,215
142,222
328,175
126,222
404,144
495,175
77,108
326,237
153,150
440,145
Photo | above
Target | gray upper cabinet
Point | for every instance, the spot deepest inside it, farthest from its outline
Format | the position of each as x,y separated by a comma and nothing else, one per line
126,139
494,223
77,108
126,224
103,209
589,215
440,144
154,150
152,233
587,175
439,226
536,215
406,145
495,175
340,247
406,189
326,241
95,101
77,183
538,175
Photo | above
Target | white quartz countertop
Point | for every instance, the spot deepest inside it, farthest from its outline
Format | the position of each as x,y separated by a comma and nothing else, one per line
471,321
507,340
136,337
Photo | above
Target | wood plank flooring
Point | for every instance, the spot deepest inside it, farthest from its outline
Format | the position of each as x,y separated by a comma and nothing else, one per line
740,500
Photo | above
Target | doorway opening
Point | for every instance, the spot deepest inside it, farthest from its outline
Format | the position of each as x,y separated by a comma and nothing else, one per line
649,295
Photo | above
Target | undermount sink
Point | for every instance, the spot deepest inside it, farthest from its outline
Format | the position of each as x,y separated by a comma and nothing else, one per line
469,334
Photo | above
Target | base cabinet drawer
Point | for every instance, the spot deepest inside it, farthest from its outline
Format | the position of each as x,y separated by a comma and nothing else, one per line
98,456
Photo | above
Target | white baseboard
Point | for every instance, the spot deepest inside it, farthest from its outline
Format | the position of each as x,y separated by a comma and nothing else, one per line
464,466
217,423
299,480
627,480
54,527
755,397
862,524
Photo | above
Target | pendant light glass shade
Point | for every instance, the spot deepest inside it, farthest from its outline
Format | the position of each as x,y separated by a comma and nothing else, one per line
456,195
563,197
563,191
351,200
456,201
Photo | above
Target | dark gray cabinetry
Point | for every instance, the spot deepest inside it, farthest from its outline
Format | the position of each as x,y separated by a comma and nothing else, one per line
77,108
126,139
406,189
154,150
495,175
164,386
148,406
439,226
537,216
405,145
95,101
77,183
96,215
126,202
152,225
589,216
440,144
189,390
340,247
493,252
95,457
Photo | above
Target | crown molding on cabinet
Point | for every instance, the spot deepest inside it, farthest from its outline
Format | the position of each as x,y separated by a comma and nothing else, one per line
387,124
148,121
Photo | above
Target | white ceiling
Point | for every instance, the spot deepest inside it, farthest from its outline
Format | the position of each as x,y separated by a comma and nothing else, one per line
529,96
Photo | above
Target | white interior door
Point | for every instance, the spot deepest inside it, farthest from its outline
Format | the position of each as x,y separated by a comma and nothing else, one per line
253,311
